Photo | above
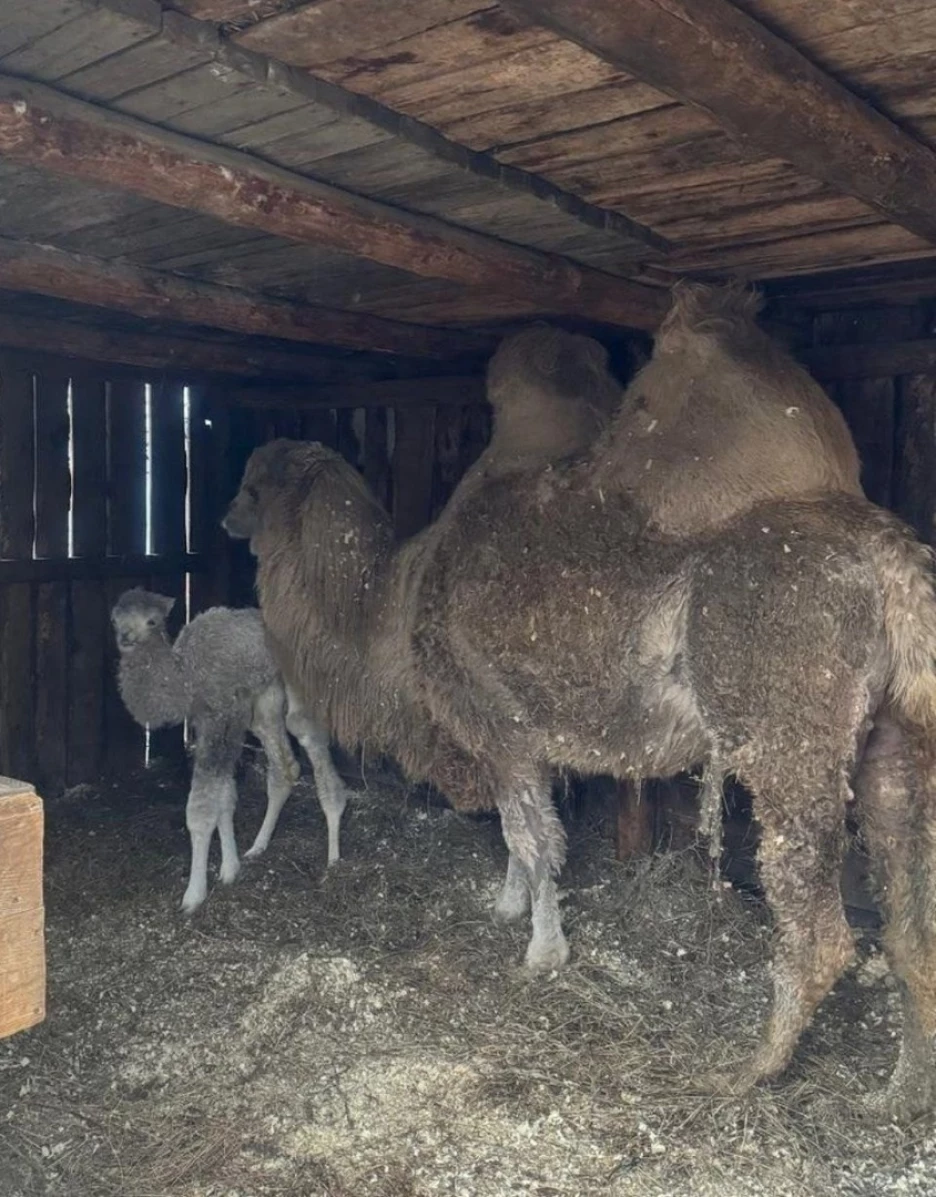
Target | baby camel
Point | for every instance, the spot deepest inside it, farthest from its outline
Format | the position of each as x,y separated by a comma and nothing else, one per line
221,677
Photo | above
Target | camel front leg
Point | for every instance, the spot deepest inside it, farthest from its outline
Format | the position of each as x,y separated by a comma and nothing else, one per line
536,840
513,902
332,793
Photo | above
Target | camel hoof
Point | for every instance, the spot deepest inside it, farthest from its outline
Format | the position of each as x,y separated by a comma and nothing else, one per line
720,1083
255,851
505,916
546,958
901,1103
510,910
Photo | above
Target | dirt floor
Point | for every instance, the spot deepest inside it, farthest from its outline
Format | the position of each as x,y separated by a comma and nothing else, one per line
371,1033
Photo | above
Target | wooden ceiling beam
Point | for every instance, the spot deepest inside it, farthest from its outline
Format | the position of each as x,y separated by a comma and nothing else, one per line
44,128
761,90
159,295
164,353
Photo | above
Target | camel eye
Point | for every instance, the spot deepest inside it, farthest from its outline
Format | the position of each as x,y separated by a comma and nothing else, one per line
151,622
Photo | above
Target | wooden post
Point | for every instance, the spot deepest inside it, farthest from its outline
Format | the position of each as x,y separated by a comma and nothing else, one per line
635,822
22,942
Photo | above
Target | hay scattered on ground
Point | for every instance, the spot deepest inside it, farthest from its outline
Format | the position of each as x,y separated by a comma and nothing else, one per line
370,1033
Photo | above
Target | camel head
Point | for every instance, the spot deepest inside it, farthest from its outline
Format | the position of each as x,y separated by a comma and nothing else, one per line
295,472
268,467
139,615
546,375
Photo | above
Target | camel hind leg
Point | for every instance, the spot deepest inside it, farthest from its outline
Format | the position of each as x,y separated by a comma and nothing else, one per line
895,791
282,768
801,812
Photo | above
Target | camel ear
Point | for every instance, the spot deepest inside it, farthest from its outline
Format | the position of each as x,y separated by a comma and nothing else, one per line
166,603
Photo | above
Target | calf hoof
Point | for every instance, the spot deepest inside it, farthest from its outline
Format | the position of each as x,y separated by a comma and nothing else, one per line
191,901
254,851
228,873
546,957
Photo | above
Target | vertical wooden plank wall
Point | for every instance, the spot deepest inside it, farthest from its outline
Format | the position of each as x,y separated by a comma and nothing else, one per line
17,532
52,501
73,536
892,418
89,679
126,536
168,470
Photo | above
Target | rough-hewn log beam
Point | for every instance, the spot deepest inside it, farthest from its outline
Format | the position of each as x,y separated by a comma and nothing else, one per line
761,90
164,353
154,294
43,128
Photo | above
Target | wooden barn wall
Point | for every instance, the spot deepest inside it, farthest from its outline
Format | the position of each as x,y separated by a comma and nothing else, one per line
74,442
892,416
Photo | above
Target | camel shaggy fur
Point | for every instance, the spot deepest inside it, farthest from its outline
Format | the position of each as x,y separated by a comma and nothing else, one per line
546,628
721,418
220,675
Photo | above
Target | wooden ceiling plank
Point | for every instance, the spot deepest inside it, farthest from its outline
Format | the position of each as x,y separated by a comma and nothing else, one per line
151,80
93,34
807,254
151,294
761,90
512,124
42,128
361,110
22,24
338,30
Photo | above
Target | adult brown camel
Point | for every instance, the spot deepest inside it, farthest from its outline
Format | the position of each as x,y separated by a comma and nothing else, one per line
545,625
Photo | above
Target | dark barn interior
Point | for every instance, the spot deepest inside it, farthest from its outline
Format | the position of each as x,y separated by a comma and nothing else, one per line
227,221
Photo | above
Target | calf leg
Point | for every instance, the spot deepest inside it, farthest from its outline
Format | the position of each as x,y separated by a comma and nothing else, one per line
536,840
282,768
211,801
331,790
898,823
802,821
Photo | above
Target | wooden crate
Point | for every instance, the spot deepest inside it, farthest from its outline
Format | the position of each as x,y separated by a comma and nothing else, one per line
22,939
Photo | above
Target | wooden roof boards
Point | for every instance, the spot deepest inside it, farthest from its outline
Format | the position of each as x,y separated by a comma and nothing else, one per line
454,163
